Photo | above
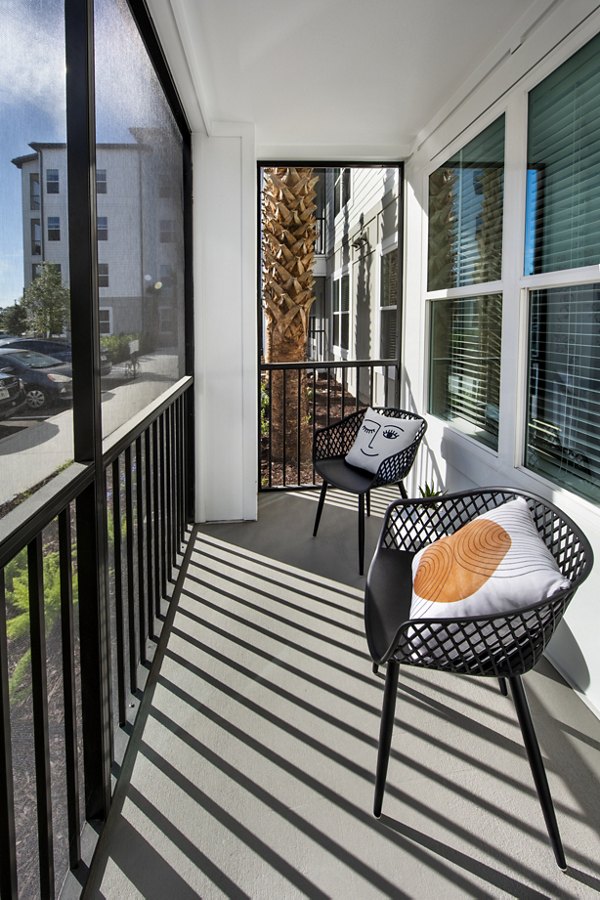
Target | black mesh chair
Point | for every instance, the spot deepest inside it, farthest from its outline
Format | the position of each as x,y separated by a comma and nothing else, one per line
331,445
499,646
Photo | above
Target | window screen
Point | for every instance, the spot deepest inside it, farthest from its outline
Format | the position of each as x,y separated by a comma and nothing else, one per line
564,387
563,167
465,213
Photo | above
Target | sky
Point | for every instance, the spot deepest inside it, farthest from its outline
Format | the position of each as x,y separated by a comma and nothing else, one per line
32,100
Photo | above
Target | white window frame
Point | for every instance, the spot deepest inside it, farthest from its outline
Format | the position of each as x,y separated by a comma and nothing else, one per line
467,291
339,351
109,310
387,246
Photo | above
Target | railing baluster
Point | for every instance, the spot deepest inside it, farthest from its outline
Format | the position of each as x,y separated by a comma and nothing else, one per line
343,408
371,384
172,494
8,847
119,618
314,414
130,573
177,482
328,421
299,424
70,701
149,533
39,695
284,426
164,509
157,519
140,535
270,455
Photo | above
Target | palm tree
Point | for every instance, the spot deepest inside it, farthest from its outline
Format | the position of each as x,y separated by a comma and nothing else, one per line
288,245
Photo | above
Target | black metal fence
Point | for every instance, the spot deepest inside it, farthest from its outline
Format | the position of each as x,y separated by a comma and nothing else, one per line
71,678
321,393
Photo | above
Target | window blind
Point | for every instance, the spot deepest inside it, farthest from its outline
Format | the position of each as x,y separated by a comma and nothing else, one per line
465,213
465,364
563,182
564,387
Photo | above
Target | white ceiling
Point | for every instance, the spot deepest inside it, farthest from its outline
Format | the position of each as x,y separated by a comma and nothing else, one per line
343,79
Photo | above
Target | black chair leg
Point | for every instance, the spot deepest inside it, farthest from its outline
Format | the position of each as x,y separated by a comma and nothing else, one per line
402,490
503,687
368,503
385,732
320,508
361,534
537,768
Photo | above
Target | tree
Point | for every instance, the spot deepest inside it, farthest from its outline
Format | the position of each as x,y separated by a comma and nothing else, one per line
288,245
46,302
13,319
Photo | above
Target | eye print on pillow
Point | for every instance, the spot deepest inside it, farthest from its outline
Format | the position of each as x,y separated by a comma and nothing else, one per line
379,437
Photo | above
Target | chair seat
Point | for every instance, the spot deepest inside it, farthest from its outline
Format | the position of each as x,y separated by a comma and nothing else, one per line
388,596
339,474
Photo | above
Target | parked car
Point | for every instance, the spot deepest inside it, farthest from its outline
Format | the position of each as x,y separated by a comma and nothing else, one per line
12,395
56,347
46,380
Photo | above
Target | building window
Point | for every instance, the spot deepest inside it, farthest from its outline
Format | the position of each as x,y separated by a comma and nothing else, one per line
341,313
102,228
563,167
34,190
36,271
561,233
166,321
36,237
465,250
105,320
100,181
167,231
341,189
54,228
102,274
52,183
388,303
464,384
465,214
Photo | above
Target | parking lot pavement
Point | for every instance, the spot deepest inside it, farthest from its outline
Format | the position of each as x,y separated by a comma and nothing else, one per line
32,448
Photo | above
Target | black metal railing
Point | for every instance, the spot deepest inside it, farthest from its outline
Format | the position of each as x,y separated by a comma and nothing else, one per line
298,398
56,690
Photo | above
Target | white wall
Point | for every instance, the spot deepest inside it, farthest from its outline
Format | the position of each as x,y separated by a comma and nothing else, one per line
451,458
225,324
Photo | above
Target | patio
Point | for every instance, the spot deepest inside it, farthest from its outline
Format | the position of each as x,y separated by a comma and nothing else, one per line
250,771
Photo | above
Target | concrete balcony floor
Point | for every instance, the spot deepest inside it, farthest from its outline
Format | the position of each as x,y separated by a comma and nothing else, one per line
251,769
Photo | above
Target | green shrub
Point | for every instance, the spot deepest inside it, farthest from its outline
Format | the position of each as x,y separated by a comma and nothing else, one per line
116,346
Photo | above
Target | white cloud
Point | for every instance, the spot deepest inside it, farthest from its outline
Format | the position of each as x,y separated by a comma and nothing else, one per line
32,60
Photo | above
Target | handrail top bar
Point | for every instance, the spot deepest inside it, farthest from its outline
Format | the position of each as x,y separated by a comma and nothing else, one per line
330,364
124,436
21,525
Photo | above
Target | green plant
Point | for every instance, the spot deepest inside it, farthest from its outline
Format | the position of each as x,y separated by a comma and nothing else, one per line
264,411
429,490
116,346
18,624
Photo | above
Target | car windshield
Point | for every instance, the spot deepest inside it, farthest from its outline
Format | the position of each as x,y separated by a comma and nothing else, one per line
32,359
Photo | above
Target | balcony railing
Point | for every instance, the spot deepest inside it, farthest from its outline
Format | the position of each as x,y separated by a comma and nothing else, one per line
321,393
72,672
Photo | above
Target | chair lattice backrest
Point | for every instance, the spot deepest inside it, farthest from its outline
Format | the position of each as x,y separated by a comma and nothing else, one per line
498,645
337,439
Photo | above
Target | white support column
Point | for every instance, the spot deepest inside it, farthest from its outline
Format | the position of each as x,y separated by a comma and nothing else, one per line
225,323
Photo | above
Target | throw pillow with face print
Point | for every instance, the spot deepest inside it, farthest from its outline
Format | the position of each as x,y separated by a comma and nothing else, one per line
379,437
